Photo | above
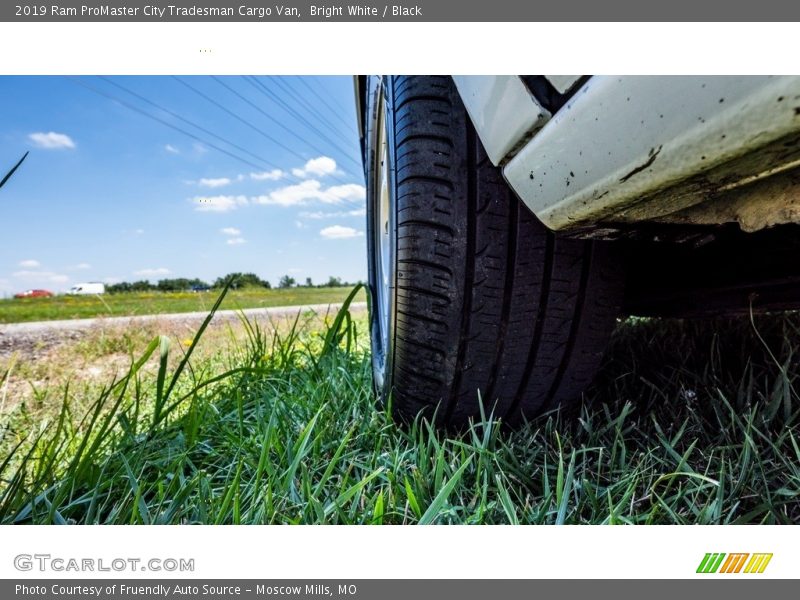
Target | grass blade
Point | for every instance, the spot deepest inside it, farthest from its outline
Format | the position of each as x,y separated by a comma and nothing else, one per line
439,501
14,168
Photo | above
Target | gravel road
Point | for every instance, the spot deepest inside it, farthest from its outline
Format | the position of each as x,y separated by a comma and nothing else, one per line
25,337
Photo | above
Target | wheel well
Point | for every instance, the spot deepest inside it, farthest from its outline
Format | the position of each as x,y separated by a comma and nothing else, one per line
706,271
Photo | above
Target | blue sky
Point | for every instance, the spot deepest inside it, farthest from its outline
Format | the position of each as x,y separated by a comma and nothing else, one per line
108,194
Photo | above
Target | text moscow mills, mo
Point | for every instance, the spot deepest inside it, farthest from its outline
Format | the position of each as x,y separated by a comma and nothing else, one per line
326,11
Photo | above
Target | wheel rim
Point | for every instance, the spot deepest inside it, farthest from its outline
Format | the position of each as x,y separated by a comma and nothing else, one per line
382,224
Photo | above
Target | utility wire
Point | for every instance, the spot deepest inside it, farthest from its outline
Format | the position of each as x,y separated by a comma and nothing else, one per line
166,123
302,99
259,85
272,119
325,92
240,119
350,125
265,164
188,122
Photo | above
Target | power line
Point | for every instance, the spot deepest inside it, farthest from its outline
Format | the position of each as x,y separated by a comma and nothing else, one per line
350,125
272,119
301,98
188,122
324,92
238,118
271,94
166,123
265,164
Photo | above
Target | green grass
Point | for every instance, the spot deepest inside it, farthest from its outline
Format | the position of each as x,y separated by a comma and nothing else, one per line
17,310
689,422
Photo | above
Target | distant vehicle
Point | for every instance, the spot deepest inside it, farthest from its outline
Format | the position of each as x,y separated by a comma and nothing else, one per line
34,294
200,288
82,289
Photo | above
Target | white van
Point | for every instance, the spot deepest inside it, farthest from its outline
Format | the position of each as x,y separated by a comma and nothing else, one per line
80,289
512,219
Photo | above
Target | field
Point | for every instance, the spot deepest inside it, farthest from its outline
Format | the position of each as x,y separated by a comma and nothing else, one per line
252,422
154,303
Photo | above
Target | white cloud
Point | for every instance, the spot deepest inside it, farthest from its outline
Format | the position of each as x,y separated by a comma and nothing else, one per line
81,266
234,236
319,167
29,264
310,190
199,148
218,203
337,232
214,182
45,276
358,212
273,175
171,149
152,272
51,140
138,231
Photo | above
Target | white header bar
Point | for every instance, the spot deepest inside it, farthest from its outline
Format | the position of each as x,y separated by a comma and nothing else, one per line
398,48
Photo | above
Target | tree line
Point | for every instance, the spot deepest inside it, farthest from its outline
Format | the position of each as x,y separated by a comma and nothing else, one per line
238,281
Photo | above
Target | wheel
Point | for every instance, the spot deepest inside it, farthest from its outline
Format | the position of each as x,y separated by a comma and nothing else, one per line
473,301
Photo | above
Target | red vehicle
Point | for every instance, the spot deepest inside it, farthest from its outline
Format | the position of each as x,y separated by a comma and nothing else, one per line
34,294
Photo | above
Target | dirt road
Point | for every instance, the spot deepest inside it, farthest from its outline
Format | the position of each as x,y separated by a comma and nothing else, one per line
43,334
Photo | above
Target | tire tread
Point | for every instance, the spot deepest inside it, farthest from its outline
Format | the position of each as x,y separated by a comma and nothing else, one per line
489,303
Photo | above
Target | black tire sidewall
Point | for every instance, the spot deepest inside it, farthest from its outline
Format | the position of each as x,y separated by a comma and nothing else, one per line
485,302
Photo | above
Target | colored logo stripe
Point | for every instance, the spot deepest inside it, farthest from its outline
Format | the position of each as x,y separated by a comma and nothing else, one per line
734,563
758,563
713,562
710,562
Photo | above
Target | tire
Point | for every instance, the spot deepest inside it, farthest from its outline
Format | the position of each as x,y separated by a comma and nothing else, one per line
473,301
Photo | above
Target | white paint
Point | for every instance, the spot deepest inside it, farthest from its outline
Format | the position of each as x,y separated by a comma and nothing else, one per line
503,111
562,83
582,163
